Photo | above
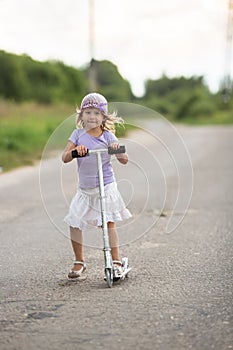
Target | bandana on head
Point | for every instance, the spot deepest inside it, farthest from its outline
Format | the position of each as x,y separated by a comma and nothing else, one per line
95,100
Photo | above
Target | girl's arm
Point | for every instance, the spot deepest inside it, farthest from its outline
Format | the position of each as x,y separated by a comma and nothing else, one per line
67,153
122,157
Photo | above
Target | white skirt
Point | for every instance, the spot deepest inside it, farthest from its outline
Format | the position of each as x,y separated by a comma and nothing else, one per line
85,207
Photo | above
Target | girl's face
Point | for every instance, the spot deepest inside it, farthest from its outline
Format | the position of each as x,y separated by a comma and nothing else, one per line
92,118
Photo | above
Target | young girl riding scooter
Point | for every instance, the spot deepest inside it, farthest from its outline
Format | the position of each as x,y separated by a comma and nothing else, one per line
95,129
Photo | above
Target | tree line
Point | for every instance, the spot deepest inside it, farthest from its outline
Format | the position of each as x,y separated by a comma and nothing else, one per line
25,79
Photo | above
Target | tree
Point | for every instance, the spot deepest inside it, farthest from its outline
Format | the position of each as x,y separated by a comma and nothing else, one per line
13,82
110,83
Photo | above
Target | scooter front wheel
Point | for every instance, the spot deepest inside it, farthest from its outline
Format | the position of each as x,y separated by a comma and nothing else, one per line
109,277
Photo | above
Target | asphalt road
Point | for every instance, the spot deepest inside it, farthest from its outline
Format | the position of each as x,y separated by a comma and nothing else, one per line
179,293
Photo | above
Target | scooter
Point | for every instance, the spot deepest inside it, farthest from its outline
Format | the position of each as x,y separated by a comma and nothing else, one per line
111,273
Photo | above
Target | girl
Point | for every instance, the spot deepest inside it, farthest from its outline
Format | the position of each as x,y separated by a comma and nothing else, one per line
95,127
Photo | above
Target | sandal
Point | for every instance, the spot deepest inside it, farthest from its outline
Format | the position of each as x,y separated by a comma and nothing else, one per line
78,273
117,267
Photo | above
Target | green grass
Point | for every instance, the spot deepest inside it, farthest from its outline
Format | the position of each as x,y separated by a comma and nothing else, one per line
25,129
218,118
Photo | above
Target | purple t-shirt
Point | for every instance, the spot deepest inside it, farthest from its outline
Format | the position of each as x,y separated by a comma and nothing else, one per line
87,166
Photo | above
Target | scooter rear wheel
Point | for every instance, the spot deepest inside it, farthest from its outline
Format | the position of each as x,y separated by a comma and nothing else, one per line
109,277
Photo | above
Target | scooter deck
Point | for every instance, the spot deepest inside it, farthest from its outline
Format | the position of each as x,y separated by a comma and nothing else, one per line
122,276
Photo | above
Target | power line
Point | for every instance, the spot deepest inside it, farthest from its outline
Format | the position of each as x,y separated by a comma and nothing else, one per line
91,27
92,68
228,60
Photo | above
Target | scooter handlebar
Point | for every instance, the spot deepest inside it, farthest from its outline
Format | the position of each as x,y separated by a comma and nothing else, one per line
120,150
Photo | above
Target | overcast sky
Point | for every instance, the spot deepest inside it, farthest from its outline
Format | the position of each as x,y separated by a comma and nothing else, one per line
144,38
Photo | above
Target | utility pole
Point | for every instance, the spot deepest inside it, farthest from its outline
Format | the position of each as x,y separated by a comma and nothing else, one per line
92,68
227,90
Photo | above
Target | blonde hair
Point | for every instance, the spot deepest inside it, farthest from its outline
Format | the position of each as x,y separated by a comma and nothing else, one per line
109,121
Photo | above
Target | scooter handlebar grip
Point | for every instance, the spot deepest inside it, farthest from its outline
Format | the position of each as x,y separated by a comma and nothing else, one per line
121,149
76,155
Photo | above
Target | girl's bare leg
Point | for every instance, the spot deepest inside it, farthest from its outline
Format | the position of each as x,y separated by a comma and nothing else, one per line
113,241
77,245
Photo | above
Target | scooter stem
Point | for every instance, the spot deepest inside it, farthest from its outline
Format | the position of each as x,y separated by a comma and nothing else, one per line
107,249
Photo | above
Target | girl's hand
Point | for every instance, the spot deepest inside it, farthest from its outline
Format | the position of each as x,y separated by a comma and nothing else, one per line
122,157
114,145
82,150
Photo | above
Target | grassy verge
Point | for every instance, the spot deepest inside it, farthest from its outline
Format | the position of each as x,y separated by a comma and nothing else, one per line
25,129
218,118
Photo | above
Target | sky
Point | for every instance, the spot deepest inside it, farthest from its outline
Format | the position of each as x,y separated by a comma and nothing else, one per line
143,38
